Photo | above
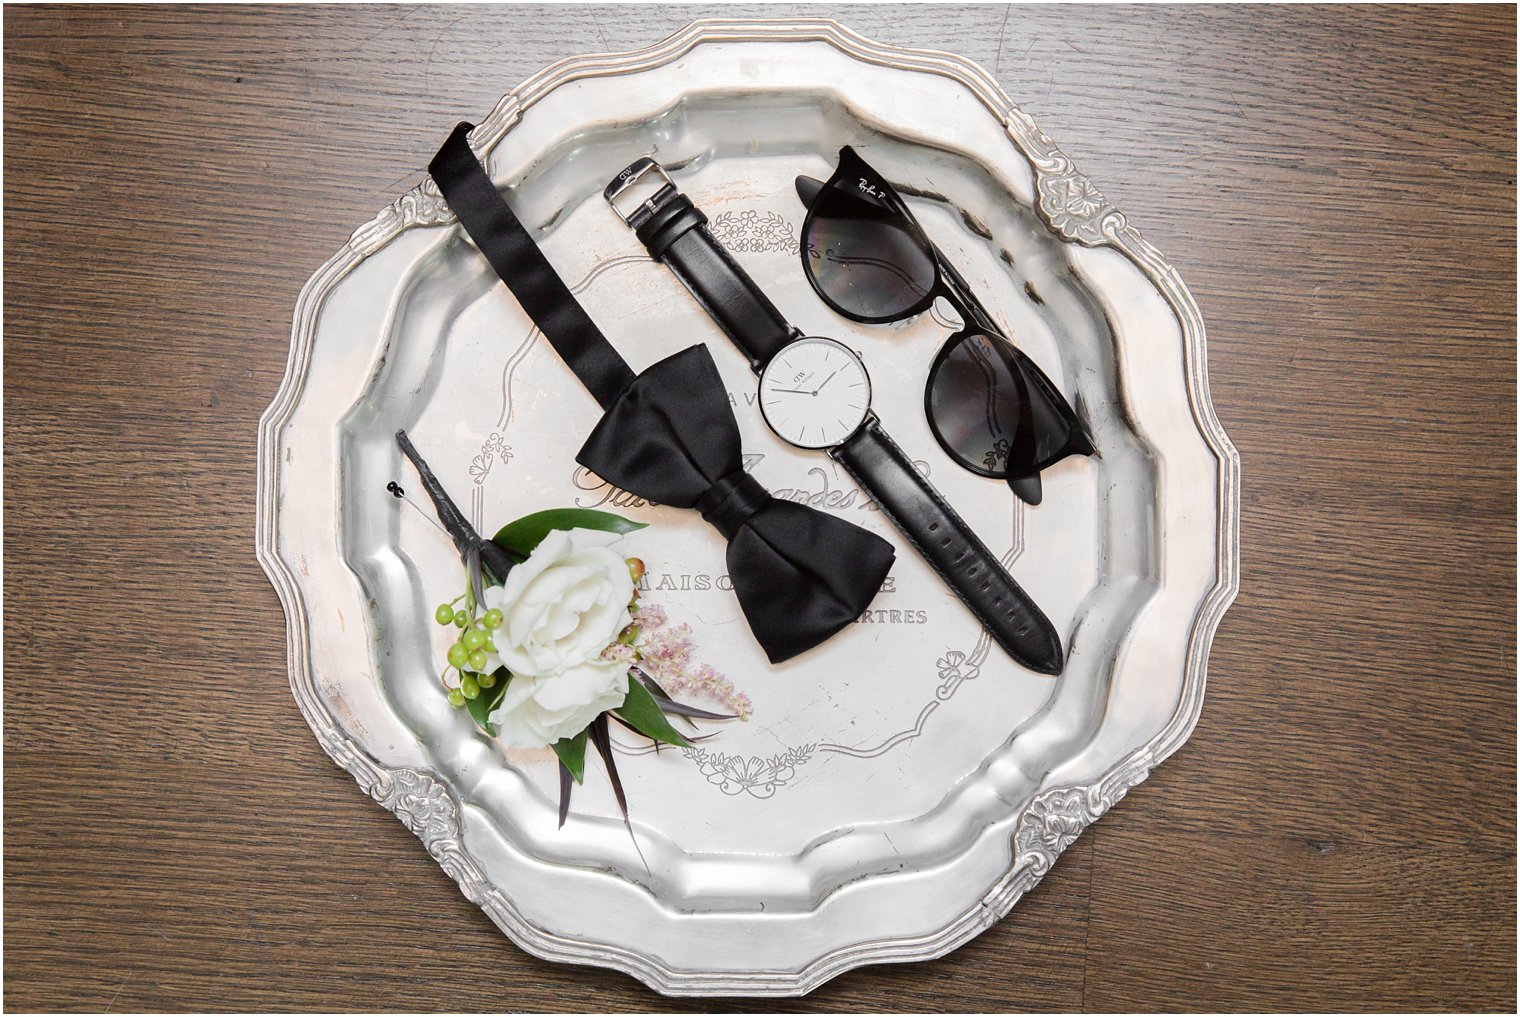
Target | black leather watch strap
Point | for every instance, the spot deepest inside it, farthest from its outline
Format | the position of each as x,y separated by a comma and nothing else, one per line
952,548
675,231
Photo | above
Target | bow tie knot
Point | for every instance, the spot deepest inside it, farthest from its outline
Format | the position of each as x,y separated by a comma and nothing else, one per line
730,502
800,575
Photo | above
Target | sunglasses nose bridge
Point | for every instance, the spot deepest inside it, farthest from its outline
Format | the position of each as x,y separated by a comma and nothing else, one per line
953,287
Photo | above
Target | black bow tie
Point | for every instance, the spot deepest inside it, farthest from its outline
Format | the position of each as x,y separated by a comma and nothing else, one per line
800,575
668,435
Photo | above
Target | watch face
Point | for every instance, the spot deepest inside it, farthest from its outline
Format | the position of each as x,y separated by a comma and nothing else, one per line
815,393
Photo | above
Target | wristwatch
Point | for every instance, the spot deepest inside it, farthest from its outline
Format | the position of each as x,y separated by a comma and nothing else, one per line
815,393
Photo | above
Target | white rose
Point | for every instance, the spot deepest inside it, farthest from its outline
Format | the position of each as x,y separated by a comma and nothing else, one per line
560,609
536,712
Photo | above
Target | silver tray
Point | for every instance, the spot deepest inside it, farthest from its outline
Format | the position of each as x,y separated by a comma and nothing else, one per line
899,788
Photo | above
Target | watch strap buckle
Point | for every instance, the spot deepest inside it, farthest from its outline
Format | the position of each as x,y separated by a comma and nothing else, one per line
625,180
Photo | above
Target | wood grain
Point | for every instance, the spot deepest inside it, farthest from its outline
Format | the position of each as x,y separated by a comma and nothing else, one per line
1337,186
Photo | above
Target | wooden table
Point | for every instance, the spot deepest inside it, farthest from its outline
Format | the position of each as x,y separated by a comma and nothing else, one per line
1336,186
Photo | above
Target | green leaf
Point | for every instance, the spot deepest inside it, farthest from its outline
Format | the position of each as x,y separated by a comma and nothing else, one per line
640,710
523,535
481,706
572,753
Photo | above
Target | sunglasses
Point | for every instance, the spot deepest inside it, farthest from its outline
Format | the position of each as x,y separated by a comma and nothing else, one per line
989,406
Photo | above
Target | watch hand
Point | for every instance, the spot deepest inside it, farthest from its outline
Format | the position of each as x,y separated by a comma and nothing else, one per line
795,391
827,380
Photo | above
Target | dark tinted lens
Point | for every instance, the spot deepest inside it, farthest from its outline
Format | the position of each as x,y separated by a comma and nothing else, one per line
989,411
864,255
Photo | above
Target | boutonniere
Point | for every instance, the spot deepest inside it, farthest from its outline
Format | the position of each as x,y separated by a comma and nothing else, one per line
553,644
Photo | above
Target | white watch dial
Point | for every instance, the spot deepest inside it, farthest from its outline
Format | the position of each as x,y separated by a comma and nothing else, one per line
815,393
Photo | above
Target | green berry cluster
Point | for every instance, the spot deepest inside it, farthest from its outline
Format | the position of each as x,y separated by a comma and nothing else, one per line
467,654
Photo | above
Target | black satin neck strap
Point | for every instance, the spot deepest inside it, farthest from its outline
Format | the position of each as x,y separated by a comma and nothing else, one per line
517,259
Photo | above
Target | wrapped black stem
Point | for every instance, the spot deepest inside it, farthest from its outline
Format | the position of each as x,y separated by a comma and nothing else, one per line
491,554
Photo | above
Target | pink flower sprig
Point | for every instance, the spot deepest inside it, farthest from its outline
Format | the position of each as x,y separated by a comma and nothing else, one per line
649,616
668,656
